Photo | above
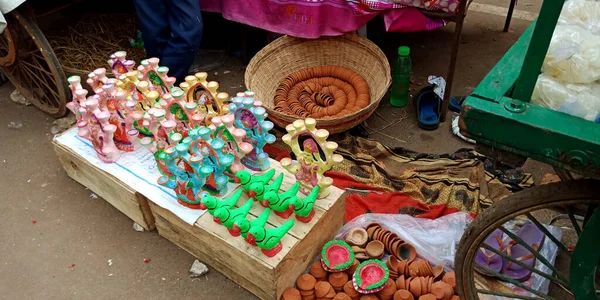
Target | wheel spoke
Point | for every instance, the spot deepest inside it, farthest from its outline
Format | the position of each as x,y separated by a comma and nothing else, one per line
42,82
39,68
33,85
573,220
537,255
485,270
548,234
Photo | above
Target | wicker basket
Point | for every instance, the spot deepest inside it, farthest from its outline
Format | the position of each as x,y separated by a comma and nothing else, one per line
288,54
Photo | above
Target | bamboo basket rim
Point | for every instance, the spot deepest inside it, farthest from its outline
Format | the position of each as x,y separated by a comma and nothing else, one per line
263,56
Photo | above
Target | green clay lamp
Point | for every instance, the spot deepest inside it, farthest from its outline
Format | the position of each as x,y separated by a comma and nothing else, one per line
241,226
370,276
227,216
244,178
336,256
258,190
269,240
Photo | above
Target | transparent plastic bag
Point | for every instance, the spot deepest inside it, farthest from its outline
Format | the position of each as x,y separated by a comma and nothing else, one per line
585,14
580,100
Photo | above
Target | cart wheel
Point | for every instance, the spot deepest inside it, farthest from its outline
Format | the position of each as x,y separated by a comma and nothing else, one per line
575,270
30,64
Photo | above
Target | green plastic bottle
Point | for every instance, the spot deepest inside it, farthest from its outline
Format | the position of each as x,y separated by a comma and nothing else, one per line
401,78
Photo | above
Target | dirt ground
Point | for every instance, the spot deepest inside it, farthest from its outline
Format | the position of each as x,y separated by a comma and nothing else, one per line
58,241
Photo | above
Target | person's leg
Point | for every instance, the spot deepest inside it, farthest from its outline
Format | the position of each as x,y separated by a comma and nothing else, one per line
153,22
186,29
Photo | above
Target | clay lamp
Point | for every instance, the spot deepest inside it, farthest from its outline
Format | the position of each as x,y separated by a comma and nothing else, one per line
400,283
438,273
341,296
455,297
407,251
337,280
450,278
306,282
291,294
336,256
403,295
389,288
442,290
369,297
357,237
370,231
375,249
322,289
317,271
350,291
429,283
413,269
353,267
428,297
370,276
407,283
424,285
415,286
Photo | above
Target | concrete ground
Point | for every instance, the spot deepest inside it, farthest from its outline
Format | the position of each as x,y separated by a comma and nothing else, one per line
57,241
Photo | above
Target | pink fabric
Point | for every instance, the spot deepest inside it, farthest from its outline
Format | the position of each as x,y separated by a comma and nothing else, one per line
315,18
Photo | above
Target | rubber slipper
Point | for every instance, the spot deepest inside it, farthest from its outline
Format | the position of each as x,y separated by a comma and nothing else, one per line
428,104
489,259
534,237
456,102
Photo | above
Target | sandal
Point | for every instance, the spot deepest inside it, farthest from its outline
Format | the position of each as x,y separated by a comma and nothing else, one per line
456,102
534,237
489,259
428,104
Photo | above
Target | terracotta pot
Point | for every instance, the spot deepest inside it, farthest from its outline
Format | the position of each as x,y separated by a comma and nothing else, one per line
407,251
450,278
392,264
400,283
388,289
375,249
341,296
349,290
322,288
415,286
428,297
317,271
306,282
337,280
403,295
442,290
291,294
357,237
353,267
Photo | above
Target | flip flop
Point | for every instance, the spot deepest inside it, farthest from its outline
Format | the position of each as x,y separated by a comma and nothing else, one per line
456,102
534,237
489,259
428,104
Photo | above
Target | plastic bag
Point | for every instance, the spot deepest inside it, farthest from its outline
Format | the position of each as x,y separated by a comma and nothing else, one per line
573,55
580,100
582,13
435,240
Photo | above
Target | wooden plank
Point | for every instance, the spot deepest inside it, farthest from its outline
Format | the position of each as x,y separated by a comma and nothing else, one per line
146,212
103,184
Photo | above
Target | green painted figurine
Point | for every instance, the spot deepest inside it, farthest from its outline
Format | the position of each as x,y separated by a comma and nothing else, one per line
226,216
242,225
304,207
269,240
258,190
283,204
244,178
211,203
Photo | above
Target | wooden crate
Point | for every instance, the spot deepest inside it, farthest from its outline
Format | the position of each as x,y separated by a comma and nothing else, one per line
133,204
265,277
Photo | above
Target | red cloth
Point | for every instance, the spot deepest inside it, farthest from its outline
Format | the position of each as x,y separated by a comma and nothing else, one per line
376,202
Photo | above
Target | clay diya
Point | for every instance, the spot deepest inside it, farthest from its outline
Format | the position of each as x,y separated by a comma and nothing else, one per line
442,290
357,237
322,288
400,283
438,273
389,288
336,256
403,295
406,251
317,271
369,297
450,278
375,249
415,286
350,291
428,297
306,282
291,294
392,264
341,296
370,276
455,297
353,267
337,280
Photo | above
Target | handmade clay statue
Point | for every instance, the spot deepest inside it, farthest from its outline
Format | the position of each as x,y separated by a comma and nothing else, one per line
303,209
234,139
250,116
156,75
314,155
95,127
244,178
97,79
204,93
258,190
227,216
125,137
283,204
211,203
211,148
243,225
370,276
269,240
336,256
119,64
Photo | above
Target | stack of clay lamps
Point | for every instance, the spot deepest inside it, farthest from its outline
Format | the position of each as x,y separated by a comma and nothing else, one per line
324,291
350,291
389,289
322,92
338,280
306,286
392,243
317,271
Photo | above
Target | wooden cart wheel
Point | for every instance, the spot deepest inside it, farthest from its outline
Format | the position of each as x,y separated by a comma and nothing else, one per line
30,64
569,277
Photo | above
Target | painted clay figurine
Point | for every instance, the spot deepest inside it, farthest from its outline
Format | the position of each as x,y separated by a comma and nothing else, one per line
210,102
241,226
314,155
283,204
251,117
258,190
211,203
303,209
244,178
269,240
227,216
234,138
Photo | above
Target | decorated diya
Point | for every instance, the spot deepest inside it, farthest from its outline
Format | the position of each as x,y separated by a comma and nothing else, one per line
336,256
370,276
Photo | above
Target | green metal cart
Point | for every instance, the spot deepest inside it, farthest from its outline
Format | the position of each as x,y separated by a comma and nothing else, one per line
499,117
